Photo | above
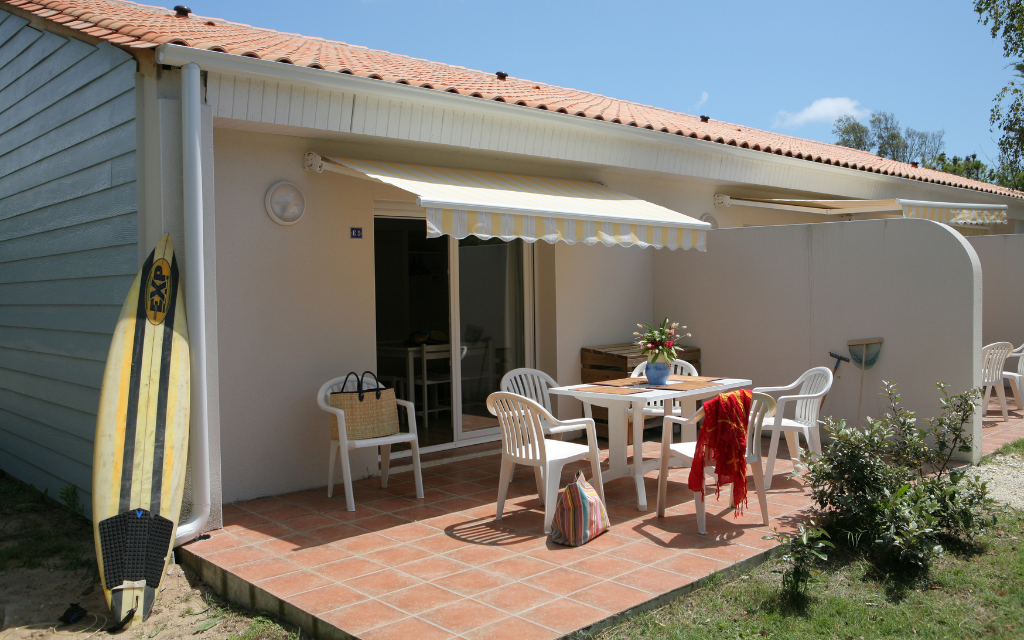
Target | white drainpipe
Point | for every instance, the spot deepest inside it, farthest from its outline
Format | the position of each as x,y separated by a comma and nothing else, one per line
195,299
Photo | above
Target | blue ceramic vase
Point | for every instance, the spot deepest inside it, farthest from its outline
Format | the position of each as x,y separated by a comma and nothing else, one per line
657,373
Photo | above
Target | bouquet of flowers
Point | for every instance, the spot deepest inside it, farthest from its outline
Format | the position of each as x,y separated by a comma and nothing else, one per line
658,343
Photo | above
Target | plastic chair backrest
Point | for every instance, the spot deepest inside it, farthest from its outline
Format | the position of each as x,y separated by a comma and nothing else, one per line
521,420
679,368
530,383
814,381
761,406
993,357
1020,360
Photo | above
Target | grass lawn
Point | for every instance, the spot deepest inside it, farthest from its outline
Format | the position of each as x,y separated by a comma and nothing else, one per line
1017,446
971,593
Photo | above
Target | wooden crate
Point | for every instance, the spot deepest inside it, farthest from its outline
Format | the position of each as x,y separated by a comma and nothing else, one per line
613,361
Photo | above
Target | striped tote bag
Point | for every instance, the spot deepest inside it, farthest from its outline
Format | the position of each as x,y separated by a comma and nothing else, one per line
580,515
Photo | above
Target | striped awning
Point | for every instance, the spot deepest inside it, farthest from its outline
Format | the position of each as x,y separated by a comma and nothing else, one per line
462,202
944,212
972,231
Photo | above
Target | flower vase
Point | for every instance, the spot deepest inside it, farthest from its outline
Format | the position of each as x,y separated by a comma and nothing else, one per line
657,372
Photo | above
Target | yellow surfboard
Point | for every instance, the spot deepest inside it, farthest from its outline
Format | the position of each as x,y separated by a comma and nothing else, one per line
141,441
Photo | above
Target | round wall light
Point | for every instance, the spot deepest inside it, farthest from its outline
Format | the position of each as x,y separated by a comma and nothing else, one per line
285,203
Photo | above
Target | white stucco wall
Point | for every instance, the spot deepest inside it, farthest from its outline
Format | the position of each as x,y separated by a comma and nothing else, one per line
1002,266
296,308
768,303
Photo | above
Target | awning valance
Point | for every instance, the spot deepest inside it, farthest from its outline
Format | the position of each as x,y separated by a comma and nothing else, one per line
462,202
945,212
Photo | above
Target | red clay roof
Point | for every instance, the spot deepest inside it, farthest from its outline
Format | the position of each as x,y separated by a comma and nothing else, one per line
133,25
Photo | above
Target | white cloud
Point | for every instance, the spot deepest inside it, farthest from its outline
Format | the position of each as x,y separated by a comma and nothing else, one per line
703,99
821,110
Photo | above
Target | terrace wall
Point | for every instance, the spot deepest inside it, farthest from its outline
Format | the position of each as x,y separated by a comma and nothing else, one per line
1002,263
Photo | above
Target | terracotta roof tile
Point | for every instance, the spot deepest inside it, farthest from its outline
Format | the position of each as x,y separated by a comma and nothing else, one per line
140,26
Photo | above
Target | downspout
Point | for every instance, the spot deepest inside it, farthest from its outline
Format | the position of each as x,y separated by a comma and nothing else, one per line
195,300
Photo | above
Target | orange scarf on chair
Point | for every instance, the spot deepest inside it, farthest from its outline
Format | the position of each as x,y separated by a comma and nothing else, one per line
723,441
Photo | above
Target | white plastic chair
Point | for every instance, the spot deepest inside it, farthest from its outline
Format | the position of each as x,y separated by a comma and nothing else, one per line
993,357
344,445
656,407
531,383
761,406
814,384
523,442
1016,379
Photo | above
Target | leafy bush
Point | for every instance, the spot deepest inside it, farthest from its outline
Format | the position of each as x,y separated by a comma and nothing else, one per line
802,551
891,484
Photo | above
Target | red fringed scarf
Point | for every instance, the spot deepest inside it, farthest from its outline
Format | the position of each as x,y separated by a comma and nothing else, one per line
723,440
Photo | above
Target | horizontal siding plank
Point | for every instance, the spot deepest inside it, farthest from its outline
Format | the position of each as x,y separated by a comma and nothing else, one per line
86,373
93,263
102,291
29,58
106,146
62,317
78,423
17,104
16,44
62,469
10,26
73,396
14,89
28,220
74,344
83,117
43,435
115,231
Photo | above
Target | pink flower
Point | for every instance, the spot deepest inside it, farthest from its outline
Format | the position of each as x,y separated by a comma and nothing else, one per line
671,332
670,343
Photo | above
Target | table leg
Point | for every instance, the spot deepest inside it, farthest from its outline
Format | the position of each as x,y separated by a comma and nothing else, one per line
638,453
410,376
617,466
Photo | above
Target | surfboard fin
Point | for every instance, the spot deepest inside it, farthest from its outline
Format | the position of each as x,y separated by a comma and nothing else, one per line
127,618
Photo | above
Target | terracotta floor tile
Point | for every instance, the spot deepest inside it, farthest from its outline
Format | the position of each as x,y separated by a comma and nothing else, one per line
463,616
397,555
459,504
380,523
299,497
692,565
478,554
287,512
452,522
335,532
655,581
291,584
310,522
562,581
263,532
409,532
263,569
565,615
433,567
243,521
730,553
358,618
237,556
515,598
423,512
557,554
463,488
231,510
318,555
471,582
327,598
420,598
518,567
342,514
221,542
611,597
382,582
348,568
392,504
514,627
261,504
607,542
289,544
365,543
406,629
604,566
440,543
643,552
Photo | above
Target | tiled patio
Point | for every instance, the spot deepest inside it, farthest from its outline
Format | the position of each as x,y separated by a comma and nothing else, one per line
442,567
995,432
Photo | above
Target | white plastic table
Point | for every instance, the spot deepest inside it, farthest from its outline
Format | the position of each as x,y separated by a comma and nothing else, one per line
618,407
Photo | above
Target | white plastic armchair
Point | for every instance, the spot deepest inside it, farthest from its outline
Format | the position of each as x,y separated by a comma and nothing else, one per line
993,358
679,368
534,384
523,442
813,385
1016,379
344,445
761,407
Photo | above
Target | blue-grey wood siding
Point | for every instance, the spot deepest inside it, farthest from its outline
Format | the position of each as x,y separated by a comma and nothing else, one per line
68,244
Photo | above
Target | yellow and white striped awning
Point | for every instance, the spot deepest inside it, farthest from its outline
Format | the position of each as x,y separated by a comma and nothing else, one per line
944,212
972,231
462,202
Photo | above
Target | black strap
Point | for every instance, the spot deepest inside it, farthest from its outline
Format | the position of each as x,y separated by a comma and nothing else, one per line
375,381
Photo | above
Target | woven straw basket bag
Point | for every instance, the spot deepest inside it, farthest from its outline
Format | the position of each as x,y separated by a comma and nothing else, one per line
369,413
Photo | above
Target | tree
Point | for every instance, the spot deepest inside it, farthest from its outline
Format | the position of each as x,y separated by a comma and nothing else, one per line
1006,20
923,146
886,135
968,166
851,133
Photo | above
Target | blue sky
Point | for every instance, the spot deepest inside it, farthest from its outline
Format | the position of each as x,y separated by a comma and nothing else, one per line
769,65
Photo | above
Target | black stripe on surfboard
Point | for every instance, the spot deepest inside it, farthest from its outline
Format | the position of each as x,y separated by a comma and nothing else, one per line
128,459
161,404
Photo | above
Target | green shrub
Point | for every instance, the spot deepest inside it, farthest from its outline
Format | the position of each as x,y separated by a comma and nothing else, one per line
891,484
802,551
